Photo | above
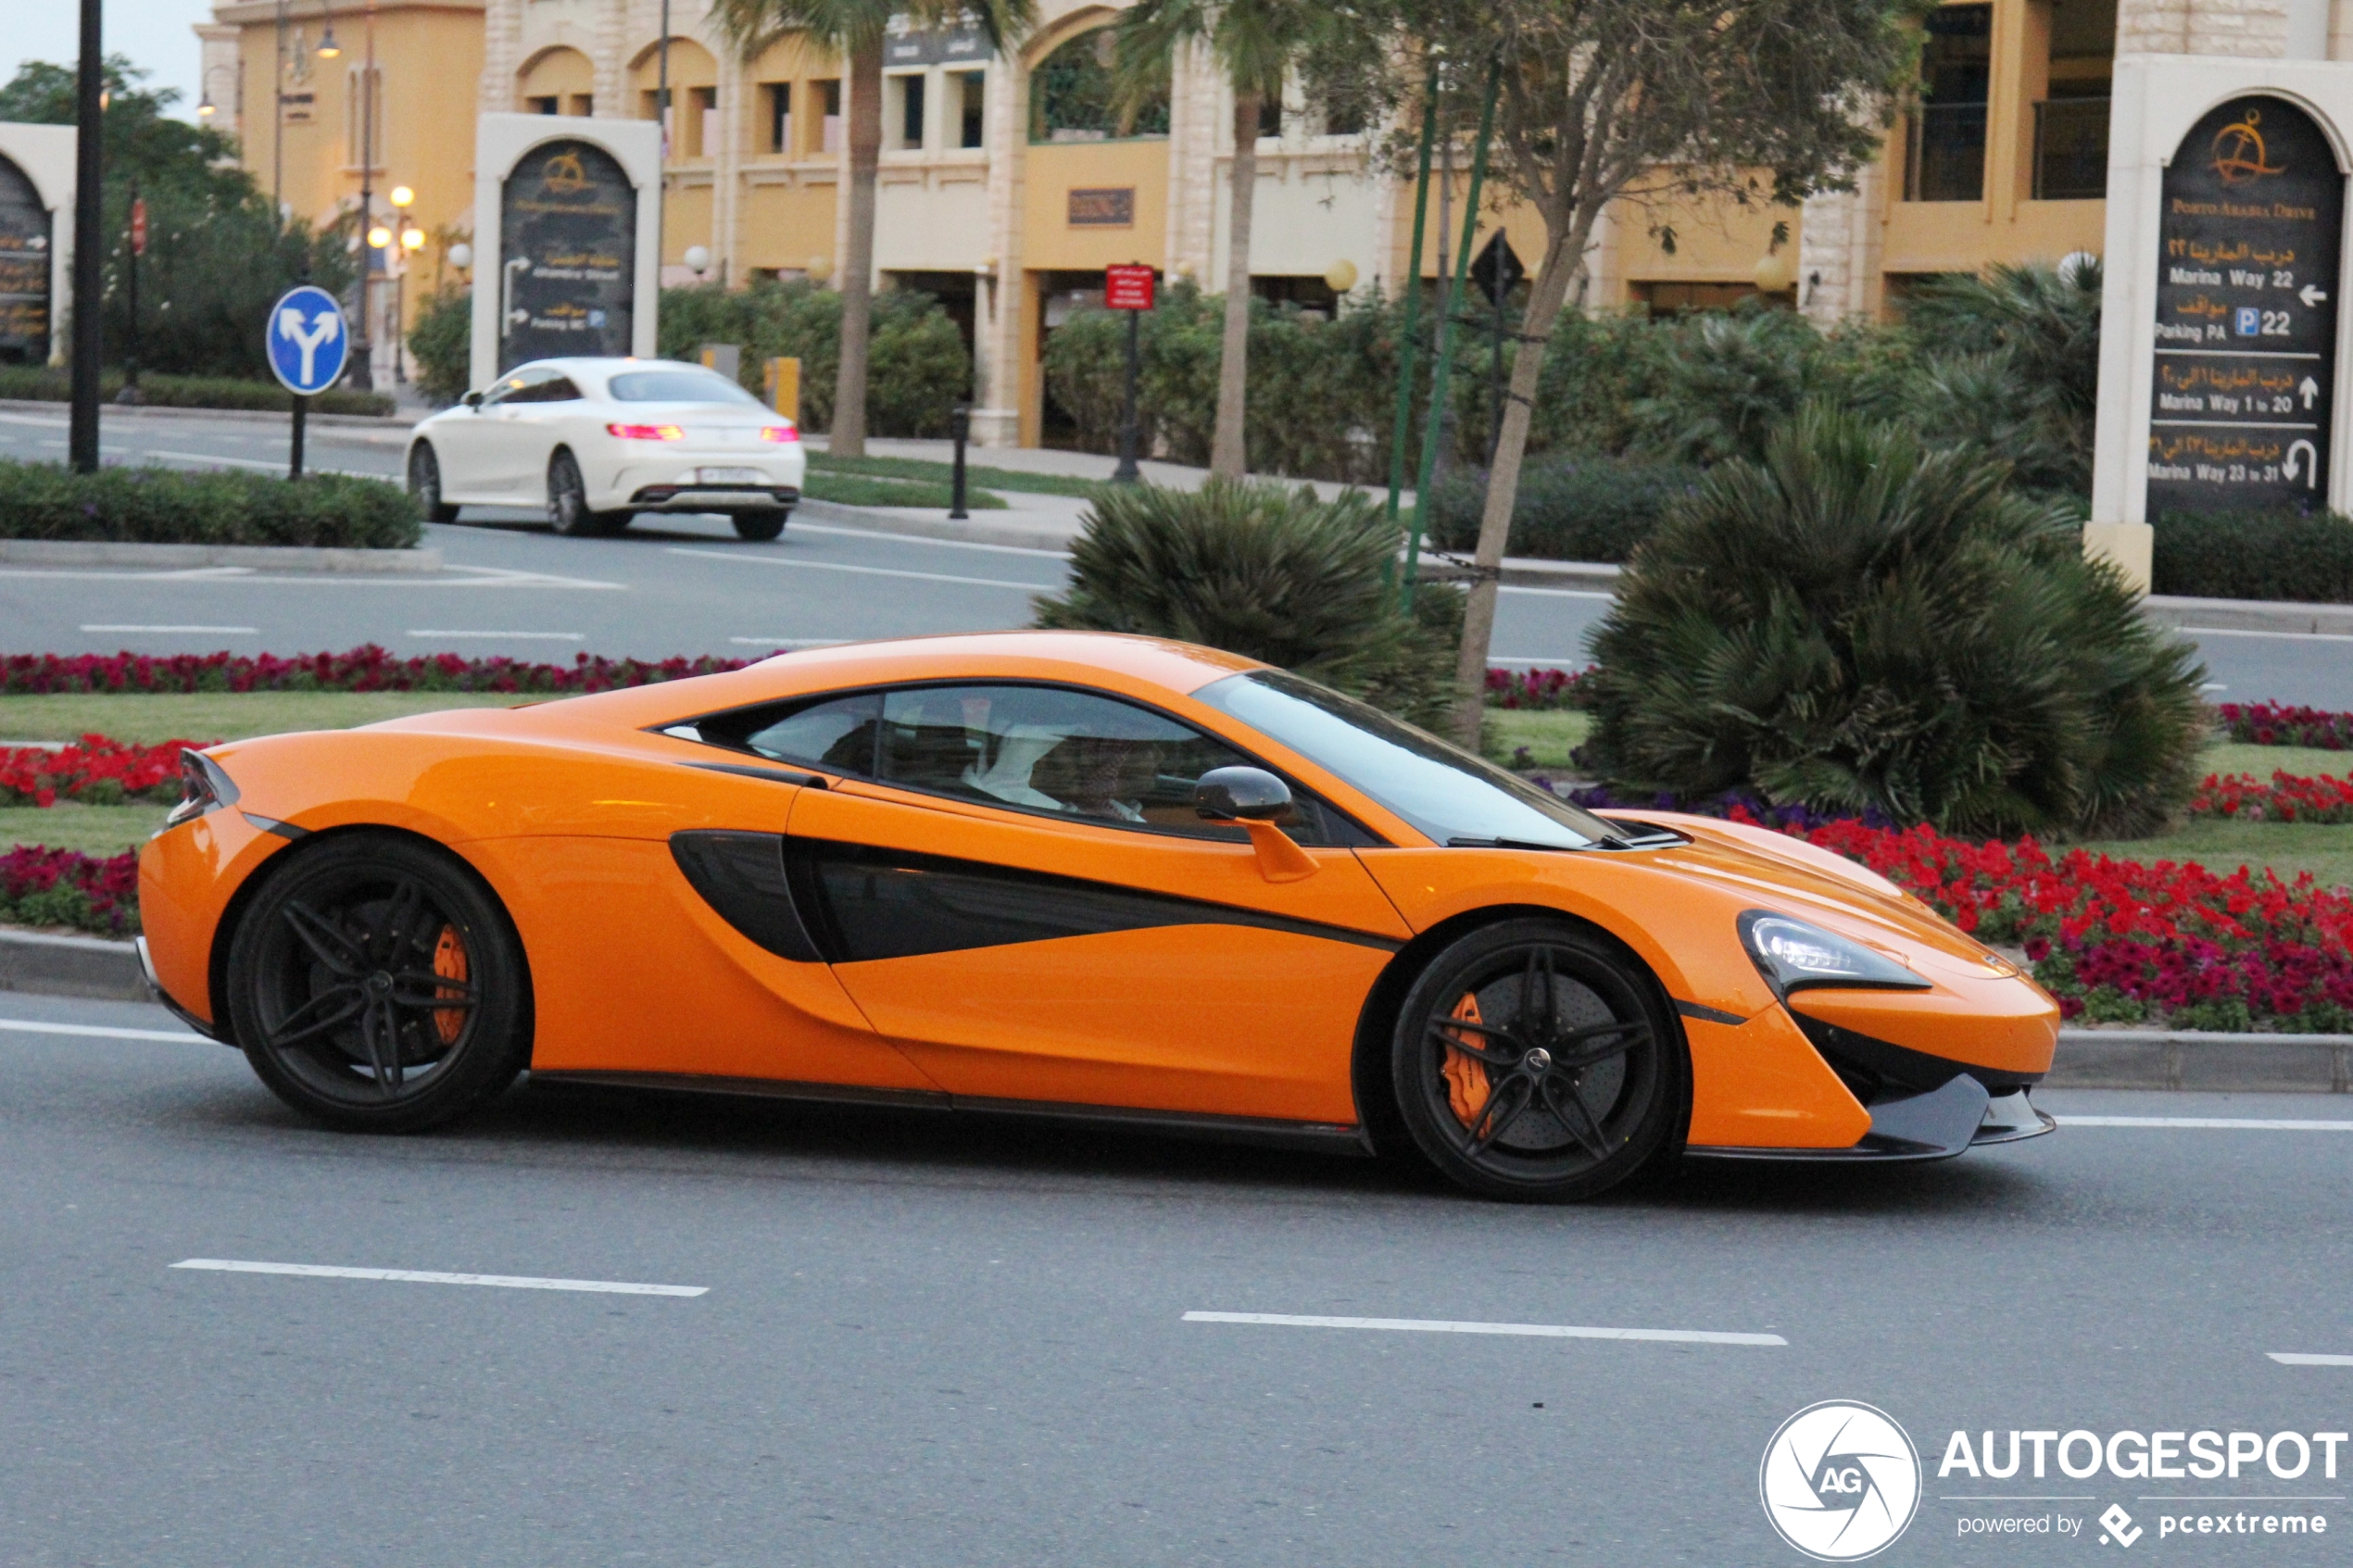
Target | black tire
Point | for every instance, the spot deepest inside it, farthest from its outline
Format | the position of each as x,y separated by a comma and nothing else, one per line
376,985
424,483
759,526
1551,1104
568,511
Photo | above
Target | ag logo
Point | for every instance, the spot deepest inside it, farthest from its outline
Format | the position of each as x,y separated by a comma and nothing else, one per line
563,176
1840,1481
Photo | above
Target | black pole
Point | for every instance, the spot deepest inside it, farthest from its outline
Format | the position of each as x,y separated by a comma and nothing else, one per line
1126,472
130,392
82,440
293,464
960,429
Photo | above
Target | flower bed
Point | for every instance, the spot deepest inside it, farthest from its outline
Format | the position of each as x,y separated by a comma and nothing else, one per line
1537,688
2287,799
2273,723
40,886
365,669
2118,941
95,771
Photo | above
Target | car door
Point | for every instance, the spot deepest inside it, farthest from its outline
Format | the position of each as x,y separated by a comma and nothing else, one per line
476,464
530,423
1018,893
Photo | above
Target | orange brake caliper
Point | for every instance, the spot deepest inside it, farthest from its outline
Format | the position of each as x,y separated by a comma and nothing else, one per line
1467,1084
449,963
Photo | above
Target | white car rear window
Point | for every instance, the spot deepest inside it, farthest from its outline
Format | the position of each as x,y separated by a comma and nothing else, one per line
677,386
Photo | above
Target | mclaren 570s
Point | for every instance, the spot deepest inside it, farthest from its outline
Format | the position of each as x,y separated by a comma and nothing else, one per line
1065,874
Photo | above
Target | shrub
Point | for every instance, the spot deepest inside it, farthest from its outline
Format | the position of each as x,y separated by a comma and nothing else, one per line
1856,621
2254,555
154,506
1569,508
1269,573
41,887
2015,372
41,384
441,341
917,369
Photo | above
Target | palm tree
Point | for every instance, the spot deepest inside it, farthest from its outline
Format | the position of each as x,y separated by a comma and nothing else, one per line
1255,43
855,30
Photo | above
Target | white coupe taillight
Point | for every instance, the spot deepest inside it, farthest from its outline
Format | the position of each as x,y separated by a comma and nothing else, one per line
646,433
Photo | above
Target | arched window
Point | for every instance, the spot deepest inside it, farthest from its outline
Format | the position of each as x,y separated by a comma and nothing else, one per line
1070,96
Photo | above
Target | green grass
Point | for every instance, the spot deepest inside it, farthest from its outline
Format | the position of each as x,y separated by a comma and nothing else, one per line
2223,845
152,718
942,473
858,490
93,830
1548,734
2304,761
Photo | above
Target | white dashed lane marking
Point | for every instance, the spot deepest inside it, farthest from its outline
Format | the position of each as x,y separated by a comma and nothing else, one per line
1529,1330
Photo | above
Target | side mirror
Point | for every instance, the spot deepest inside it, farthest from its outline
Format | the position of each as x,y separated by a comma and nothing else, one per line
472,400
1242,795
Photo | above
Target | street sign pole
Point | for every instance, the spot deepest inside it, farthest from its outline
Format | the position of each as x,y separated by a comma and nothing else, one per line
1130,288
307,345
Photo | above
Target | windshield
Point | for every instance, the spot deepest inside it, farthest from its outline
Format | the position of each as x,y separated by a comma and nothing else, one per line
684,384
1446,792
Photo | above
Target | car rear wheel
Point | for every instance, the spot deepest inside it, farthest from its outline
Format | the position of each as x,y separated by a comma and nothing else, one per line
424,483
761,526
1538,1061
376,985
568,511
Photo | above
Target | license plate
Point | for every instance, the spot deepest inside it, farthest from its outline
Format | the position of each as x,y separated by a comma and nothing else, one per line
730,476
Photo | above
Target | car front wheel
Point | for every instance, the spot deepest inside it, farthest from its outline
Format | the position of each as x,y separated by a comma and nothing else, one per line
1537,1060
424,483
376,985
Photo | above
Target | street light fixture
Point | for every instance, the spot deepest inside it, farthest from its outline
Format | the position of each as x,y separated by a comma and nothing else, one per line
378,237
412,239
402,196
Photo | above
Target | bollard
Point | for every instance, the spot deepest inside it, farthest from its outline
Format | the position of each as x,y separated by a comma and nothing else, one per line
960,429
782,378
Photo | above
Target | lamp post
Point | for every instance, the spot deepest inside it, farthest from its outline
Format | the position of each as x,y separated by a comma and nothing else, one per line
81,437
412,239
363,370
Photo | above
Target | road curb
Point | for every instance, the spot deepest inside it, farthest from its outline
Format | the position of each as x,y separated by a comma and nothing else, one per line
59,965
181,557
2248,615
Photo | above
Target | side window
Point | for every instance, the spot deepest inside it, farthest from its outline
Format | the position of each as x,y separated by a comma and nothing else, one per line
555,389
1068,753
836,735
522,386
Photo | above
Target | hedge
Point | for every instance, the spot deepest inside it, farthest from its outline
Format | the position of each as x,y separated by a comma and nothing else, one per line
157,506
41,384
2254,555
917,369
364,668
1569,508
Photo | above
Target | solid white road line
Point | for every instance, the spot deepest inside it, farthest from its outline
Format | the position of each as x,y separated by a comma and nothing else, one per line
1547,662
1555,593
919,539
792,641
2289,636
2289,1357
499,636
228,631
1532,1330
425,1276
866,571
2232,1124
96,1032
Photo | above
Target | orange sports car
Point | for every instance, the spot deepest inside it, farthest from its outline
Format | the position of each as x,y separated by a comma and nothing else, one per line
1065,874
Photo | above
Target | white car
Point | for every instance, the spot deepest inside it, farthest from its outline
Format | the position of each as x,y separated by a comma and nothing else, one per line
597,441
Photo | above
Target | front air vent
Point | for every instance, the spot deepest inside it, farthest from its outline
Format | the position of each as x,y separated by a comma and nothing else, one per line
741,875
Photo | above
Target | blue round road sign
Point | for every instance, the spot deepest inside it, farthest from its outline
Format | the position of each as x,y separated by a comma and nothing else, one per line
307,340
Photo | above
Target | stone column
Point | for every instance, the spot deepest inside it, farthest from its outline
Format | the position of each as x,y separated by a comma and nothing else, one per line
997,319
501,44
727,161
1838,246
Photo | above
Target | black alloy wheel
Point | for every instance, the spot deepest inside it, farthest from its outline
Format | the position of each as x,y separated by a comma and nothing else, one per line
568,511
759,526
424,483
376,985
1537,1060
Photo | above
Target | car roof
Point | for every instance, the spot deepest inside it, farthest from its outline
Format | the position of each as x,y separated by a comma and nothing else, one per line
1143,667
607,365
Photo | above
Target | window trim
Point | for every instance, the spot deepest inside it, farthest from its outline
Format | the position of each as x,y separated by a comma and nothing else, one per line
1371,840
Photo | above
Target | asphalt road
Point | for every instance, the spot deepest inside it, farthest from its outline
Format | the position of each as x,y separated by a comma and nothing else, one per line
687,585
925,1342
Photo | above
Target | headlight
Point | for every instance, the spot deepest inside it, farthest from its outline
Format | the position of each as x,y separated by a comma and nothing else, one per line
1794,955
203,787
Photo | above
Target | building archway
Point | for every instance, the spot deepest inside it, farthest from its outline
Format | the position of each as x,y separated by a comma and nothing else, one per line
557,80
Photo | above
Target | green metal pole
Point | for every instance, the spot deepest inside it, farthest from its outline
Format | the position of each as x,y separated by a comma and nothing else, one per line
1446,329
1412,298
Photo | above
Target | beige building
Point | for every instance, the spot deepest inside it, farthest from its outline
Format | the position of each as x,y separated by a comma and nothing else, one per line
1007,185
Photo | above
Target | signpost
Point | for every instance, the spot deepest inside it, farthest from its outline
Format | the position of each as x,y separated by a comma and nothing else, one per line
1128,288
2248,244
1497,271
308,344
